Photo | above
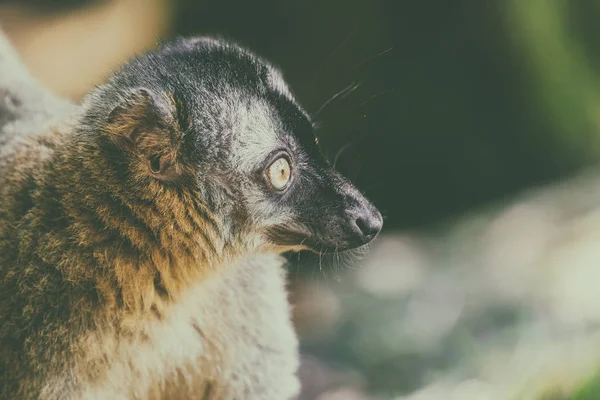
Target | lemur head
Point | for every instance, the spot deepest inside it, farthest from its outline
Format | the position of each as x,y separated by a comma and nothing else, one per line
210,122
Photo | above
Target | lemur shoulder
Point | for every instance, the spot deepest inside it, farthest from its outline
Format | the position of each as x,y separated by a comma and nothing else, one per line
140,231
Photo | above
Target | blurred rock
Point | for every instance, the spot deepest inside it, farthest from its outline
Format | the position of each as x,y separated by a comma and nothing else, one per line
321,380
317,310
345,393
395,267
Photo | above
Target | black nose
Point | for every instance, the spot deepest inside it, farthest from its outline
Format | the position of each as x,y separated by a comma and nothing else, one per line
368,224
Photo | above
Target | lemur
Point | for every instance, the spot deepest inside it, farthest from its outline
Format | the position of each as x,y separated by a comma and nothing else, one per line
141,231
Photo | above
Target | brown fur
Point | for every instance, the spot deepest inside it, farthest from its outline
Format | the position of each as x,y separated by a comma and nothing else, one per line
120,291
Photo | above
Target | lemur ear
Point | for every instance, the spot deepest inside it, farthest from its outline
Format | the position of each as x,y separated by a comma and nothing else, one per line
144,123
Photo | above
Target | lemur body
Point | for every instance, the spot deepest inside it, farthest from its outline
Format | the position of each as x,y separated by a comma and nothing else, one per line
140,231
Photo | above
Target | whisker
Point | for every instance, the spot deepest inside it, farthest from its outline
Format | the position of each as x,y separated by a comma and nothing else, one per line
324,272
340,151
321,259
374,97
297,265
344,92
338,48
337,277
366,60
336,258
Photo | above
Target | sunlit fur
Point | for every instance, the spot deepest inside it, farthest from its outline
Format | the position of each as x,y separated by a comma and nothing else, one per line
139,240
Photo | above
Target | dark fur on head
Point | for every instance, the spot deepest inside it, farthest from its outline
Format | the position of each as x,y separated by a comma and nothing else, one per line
212,116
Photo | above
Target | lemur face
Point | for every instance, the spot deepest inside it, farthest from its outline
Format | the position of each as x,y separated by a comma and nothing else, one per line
222,123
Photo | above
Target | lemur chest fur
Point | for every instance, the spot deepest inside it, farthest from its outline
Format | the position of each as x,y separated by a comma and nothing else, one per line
153,351
196,343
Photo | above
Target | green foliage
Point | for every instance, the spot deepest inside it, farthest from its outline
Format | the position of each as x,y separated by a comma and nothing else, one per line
559,63
589,391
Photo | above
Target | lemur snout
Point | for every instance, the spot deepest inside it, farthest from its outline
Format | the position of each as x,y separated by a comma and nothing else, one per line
363,221
367,223
339,216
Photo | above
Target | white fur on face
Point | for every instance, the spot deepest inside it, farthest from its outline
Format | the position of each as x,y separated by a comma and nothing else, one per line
256,136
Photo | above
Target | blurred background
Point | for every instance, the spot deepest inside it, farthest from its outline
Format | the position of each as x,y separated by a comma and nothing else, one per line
473,125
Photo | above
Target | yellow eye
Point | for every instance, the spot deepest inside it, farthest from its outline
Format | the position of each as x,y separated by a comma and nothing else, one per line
279,173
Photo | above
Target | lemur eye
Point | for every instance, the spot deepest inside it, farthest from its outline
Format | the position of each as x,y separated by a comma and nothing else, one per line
279,173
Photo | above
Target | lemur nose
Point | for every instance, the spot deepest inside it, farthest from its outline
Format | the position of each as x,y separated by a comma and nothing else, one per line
369,224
